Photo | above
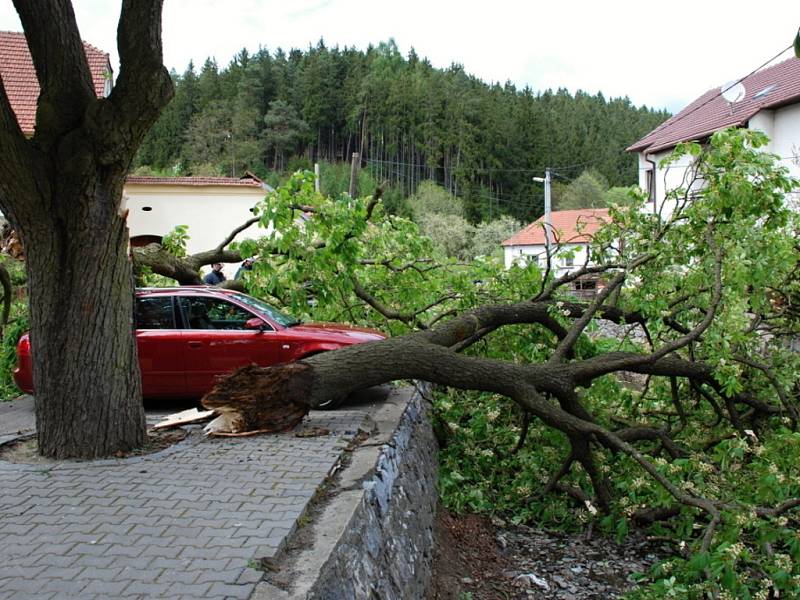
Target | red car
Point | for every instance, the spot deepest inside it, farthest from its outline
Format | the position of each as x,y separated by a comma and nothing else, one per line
186,336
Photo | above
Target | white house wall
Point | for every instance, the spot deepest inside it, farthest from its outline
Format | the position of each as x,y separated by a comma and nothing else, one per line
783,128
525,254
210,212
668,177
781,125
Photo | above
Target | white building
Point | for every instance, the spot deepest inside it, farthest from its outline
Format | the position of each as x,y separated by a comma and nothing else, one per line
769,101
211,207
572,232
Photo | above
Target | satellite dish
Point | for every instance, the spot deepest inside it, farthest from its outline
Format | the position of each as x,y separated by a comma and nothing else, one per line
733,91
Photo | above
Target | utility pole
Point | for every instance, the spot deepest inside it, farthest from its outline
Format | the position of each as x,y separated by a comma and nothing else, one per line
548,220
229,137
354,175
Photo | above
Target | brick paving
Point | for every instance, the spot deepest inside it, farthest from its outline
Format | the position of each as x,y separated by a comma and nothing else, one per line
188,522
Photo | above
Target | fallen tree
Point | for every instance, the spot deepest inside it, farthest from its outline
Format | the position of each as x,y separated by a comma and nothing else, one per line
709,291
185,270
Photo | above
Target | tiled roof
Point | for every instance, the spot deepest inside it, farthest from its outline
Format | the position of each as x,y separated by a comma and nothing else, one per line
566,226
226,181
19,76
769,88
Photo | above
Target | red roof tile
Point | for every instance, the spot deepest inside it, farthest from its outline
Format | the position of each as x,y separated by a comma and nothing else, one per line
19,76
570,227
769,88
195,181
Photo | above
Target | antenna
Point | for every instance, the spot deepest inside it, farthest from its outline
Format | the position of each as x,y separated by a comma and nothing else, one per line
733,92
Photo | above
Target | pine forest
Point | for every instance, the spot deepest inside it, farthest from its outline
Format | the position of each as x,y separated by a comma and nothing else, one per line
274,112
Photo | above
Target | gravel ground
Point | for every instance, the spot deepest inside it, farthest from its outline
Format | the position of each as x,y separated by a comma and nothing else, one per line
492,560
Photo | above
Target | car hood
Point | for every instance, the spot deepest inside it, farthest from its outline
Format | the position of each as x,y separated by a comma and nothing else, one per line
360,334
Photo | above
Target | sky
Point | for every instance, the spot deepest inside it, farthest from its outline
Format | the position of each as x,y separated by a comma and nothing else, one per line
661,54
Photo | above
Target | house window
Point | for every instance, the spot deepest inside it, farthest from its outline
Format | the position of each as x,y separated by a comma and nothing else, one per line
650,185
569,261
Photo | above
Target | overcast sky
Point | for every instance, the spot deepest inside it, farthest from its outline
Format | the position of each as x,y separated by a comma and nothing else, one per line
663,54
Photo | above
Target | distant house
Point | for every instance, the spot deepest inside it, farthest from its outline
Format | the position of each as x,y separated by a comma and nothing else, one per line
572,232
769,102
212,207
22,86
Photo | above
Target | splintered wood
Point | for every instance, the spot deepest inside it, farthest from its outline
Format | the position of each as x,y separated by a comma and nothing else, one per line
257,399
184,417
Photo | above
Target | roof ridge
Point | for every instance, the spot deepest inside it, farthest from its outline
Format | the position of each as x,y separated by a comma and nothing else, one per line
709,112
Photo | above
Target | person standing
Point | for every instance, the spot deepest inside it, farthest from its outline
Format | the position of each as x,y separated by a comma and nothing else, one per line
247,265
216,276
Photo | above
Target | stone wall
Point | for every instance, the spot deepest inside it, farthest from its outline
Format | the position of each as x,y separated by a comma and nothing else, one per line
387,547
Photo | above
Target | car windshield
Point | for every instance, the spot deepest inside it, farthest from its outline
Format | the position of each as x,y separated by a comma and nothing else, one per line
270,311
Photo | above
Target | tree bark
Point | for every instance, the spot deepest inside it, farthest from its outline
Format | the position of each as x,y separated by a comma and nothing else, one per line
86,372
61,191
432,355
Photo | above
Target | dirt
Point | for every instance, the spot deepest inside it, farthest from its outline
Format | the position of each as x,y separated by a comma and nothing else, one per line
480,559
25,450
468,558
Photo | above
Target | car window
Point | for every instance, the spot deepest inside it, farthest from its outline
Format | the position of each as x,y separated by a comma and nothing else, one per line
213,313
155,313
272,312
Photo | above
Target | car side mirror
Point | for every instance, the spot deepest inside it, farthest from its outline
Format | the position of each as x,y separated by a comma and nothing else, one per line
255,323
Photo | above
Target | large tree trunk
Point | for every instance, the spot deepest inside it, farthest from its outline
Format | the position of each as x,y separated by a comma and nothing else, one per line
61,190
86,372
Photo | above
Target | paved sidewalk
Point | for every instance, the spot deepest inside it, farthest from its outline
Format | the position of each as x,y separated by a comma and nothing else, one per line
191,521
16,418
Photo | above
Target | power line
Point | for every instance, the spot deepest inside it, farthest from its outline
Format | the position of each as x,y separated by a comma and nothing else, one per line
482,169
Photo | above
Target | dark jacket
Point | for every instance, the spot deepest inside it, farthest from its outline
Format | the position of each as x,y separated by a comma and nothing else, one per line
214,278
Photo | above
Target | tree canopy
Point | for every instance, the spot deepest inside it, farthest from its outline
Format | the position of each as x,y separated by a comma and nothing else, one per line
668,400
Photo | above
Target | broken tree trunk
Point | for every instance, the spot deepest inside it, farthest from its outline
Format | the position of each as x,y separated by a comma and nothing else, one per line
260,399
277,397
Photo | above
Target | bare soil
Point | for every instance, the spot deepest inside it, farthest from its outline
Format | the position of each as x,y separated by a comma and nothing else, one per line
478,559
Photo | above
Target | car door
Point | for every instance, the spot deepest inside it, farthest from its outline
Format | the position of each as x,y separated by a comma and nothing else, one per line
216,341
160,347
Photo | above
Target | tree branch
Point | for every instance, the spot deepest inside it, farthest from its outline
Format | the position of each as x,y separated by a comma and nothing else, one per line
577,328
17,181
143,87
389,313
65,82
232,235
5,281
773,380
